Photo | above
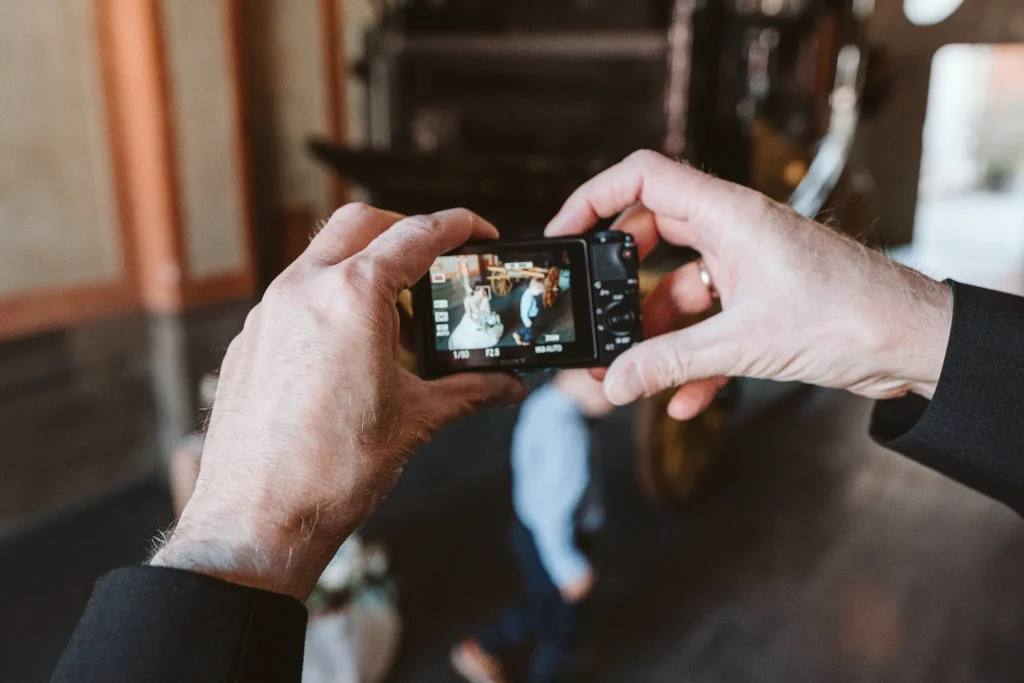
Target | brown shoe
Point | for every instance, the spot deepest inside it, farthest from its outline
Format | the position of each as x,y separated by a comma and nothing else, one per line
474,664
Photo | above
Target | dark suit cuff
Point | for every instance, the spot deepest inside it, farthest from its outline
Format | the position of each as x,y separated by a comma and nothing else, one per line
973,428
156,624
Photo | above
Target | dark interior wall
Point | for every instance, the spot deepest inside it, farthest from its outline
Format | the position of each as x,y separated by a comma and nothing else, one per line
891,143
76,414
85,410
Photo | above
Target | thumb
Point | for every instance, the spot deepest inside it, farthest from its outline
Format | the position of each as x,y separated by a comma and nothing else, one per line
458,396
700,351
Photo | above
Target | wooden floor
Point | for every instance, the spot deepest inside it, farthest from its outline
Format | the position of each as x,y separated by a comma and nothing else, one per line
813,555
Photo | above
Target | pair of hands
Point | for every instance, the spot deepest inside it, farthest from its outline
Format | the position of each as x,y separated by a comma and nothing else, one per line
314,418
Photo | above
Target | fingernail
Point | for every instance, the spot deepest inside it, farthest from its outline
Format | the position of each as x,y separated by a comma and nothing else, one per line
624,386
552,228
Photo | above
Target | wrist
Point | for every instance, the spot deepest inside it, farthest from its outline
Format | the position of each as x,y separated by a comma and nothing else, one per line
913,335
245,554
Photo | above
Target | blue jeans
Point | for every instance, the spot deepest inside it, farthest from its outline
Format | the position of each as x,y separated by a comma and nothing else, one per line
526,334
543,618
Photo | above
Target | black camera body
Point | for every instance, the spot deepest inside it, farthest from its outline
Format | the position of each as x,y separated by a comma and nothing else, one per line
548,303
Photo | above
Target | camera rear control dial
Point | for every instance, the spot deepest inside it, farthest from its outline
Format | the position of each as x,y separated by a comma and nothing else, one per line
615,293
620,319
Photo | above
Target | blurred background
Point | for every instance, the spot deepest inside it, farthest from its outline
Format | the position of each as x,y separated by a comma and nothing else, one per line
162,160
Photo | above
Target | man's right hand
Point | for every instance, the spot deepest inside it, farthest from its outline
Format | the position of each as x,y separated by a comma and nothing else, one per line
314,417
800,302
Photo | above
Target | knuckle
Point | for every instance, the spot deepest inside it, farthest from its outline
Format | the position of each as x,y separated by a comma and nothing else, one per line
367,281
359,272
465,216
650,377
670,367
234,348
764,206
252,321
353,211
679,367
644,157
250,329
291,276
422,223
278,290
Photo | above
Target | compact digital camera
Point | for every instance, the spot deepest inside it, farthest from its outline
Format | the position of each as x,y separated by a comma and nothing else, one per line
549,303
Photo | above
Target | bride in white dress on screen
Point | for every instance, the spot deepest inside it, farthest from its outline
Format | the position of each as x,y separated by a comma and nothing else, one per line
479,327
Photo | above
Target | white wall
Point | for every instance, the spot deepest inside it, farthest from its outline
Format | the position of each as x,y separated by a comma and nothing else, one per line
58,223
956,98
300,95
203,114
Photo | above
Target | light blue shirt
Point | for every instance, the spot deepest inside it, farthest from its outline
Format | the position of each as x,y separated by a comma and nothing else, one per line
550,473
528,308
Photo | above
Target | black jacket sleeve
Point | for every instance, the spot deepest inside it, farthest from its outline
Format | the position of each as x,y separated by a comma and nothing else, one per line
973,428
155,624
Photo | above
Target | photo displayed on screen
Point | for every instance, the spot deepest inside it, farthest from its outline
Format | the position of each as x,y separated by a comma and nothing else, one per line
484,301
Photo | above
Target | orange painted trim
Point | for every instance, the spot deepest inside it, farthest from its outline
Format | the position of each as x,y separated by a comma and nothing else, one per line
35,311
138,91
335,68
41,310
118,153
236,63
139,126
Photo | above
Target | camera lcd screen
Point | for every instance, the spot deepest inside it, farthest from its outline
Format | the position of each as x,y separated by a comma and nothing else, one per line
506,305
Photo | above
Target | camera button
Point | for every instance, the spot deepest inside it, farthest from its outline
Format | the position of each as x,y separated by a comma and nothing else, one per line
620,319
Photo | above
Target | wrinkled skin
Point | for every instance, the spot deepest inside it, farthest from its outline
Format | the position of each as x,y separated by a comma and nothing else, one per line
800,301
314,418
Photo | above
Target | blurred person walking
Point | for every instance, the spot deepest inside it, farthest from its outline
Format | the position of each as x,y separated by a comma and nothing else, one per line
529,309
556,497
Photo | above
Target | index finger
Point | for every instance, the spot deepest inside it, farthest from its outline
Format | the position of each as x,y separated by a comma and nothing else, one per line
348,231
404,253
668,188
639,222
